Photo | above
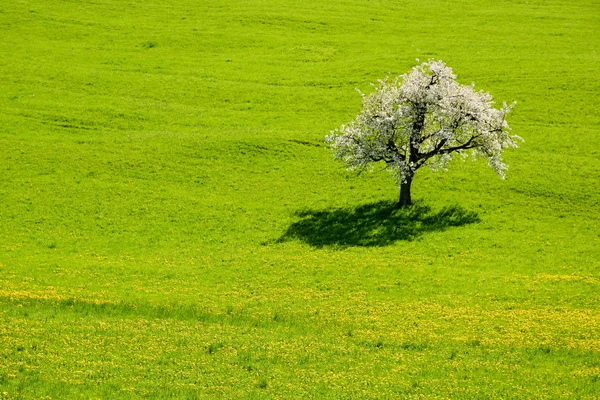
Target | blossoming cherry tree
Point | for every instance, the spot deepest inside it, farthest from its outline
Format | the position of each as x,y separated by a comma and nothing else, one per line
423,118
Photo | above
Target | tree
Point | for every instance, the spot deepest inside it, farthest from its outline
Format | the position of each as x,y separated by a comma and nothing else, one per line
423,118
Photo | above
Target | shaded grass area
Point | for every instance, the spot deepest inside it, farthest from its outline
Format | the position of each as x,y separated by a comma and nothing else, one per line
375,224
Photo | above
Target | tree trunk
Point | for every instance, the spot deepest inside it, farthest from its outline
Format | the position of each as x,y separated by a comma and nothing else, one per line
405,199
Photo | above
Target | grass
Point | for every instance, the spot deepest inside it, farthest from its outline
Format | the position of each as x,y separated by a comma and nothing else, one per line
171,224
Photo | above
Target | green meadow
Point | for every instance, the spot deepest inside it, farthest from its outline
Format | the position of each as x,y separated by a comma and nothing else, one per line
172,224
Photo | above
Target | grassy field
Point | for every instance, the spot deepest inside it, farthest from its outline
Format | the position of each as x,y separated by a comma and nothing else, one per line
172,225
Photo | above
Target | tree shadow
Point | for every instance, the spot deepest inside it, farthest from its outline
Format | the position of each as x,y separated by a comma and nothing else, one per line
375,224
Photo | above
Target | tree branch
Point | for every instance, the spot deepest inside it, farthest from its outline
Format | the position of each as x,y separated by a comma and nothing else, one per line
463,146
433,152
